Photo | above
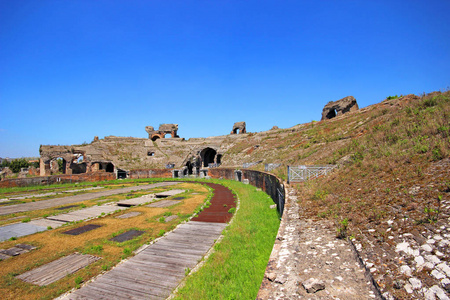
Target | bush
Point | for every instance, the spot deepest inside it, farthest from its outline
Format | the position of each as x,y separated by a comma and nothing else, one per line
17,164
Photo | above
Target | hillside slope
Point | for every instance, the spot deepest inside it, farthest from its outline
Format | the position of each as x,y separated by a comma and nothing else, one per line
391,193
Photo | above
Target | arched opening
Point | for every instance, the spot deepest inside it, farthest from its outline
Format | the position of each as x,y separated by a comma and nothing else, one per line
236,131
155,137
189,168
331,114
109,168
58,165
78,165
121,174
219,159
150,153
167,136
207,155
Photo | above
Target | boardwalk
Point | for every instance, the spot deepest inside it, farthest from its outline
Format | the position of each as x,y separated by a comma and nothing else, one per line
43,204
157,270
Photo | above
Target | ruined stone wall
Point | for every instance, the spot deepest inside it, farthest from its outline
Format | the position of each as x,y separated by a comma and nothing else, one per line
44,180
151,173
269,183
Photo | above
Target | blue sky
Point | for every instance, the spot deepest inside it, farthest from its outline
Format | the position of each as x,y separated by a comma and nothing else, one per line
72,70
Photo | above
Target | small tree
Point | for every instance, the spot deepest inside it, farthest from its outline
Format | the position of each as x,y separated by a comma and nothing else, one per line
5,163
19,163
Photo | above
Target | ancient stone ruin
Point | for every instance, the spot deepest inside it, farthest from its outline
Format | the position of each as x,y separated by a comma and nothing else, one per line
162,131
238,127
339,107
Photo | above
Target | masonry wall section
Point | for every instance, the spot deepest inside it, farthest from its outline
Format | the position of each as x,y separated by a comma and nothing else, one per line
44,180
269,183
151,173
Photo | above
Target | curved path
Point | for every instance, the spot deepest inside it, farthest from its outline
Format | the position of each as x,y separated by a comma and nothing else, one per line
43,204
159,268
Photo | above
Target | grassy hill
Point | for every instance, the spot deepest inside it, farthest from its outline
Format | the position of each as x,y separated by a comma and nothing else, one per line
392,184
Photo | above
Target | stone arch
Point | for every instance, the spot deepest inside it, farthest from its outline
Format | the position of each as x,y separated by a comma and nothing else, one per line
55,166
109,168
189,168
155,137
208,156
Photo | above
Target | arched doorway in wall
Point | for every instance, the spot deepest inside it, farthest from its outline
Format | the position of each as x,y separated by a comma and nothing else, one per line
78,165
155,137
58,165
207,155
189,168
109,168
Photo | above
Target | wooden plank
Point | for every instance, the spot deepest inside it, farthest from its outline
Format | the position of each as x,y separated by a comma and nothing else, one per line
137,201
46,223
129,215
169,193
163,203
57,269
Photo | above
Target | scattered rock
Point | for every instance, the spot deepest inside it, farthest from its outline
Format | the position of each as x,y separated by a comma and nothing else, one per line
313,285
415,283
271,276
406,270
445,283
399,283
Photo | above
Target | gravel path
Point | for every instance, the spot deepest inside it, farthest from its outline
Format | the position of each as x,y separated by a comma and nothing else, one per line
309,262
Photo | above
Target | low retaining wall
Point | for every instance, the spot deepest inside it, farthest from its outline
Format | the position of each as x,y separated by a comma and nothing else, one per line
44,180
269,183
151,173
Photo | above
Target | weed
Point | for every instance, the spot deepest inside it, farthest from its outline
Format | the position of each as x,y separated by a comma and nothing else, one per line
436,154
320,194
161,232
342,228
26,220
187,270
232,210
49,227
162,219
78,281
127,251
391,97
13,238
432,214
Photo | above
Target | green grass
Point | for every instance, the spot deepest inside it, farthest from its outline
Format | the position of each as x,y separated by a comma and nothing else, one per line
236,268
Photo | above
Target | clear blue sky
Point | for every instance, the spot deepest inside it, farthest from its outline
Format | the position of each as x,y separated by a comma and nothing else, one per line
72,70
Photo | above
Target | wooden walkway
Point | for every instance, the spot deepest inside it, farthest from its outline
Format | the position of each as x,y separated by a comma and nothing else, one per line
43,204
155,271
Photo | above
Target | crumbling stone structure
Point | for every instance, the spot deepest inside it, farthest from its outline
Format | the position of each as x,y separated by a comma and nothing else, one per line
239,127
339,107
74,161
162,131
